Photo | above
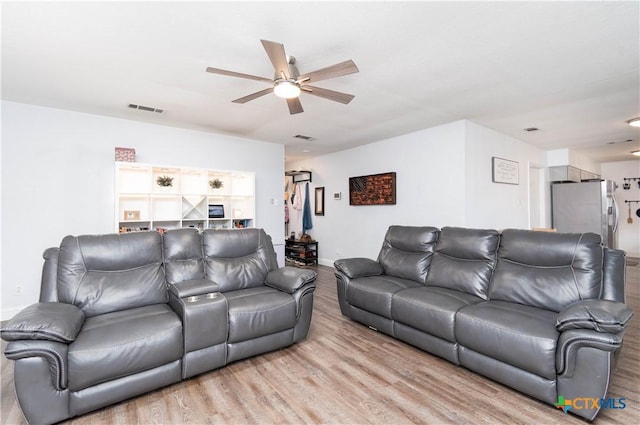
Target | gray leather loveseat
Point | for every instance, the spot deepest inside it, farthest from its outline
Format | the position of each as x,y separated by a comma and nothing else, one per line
541,312
120,315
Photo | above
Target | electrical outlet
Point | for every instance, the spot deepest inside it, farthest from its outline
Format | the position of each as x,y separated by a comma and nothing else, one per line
18,290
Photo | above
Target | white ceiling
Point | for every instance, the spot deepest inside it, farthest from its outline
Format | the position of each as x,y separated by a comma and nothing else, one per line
571,69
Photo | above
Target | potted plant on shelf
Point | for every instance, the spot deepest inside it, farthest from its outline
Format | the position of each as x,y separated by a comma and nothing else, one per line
165,181
216,184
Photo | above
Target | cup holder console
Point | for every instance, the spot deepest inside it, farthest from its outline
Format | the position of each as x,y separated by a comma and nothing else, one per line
196,298
204,320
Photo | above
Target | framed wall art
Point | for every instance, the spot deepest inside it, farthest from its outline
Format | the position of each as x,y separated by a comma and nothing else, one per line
131,215
319,210
504,171
374,189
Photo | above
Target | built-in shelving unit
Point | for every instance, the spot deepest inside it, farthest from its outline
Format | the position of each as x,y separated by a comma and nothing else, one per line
190,201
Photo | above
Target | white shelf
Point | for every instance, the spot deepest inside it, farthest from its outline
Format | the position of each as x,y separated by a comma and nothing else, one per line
141,204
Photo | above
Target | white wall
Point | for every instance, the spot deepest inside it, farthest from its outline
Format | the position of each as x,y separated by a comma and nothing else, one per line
58,179
443,179
566,156
497,205
430,189
628,233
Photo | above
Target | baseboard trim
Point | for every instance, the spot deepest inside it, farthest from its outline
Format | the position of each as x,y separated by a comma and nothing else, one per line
325,262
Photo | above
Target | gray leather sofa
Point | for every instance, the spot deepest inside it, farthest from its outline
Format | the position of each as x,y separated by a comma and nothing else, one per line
541,312
121,315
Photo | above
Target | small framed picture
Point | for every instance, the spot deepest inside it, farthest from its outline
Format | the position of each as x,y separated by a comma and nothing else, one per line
216,211
504,171
132,215
319,201
337,196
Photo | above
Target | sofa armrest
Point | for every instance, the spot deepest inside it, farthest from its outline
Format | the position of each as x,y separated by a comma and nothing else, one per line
57,322
358,267
613,275
54,352
290,279
573,340
599,315
189,288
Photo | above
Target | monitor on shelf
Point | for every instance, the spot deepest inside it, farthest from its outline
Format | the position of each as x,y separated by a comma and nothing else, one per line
216,211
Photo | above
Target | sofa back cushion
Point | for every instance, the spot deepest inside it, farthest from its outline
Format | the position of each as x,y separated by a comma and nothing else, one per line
406,251
547,270
105,273
183,255
238,258
464,260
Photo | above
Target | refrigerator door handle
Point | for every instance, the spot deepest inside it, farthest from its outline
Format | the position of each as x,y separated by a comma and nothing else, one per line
615,214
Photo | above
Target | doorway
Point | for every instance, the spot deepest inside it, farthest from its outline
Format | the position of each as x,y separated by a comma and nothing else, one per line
537,195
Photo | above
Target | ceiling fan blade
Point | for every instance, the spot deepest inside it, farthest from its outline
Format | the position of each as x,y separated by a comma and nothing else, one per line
295,107
277,56
333,71
336,96
252,96
238,74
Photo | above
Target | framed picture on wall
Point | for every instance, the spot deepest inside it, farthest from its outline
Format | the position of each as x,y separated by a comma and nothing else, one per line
374,189
319,210
504,171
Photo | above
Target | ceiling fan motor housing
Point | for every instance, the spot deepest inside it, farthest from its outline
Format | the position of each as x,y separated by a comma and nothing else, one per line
293,71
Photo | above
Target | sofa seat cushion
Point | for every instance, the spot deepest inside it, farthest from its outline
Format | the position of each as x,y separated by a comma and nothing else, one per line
259,311
431,309
374,293
121,343
516,334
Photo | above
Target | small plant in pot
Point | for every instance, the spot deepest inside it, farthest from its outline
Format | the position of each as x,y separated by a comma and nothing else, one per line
216,183
164,181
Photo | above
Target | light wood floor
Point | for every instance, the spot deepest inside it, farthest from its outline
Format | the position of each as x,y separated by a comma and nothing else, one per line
344,373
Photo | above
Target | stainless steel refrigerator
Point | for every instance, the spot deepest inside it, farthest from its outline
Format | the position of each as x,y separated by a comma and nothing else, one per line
586,207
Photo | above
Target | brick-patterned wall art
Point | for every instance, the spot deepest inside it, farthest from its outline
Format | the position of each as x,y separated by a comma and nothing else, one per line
375,189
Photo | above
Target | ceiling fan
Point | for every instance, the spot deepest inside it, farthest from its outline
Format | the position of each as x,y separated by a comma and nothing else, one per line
288,83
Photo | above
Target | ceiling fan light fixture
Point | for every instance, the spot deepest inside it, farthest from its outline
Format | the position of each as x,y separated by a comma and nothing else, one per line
634,122
286,89
287,82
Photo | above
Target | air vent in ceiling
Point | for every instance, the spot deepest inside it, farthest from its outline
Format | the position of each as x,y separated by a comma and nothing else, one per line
146,108
531,129
303,137
619,141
